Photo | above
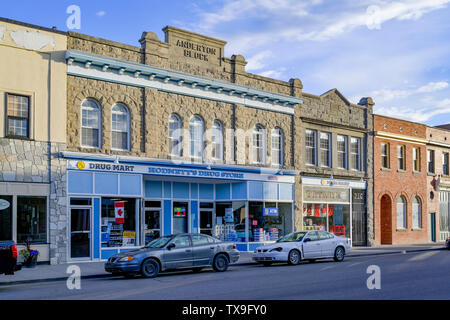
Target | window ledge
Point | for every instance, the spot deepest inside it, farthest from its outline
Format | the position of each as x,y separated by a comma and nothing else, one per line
401,230
417,172
432,174
385,169
401,171
416,229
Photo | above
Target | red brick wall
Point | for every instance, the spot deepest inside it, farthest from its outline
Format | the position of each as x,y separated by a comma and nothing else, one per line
395,183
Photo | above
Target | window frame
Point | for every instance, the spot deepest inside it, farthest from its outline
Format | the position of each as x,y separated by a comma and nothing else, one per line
401,160
309,149
322,150
385,157
7,117
179,137
217,127
358,154
345,152
99,114
405,213
127,111
416,160
431,161
445,164
260,151
277,133
417,205
201,141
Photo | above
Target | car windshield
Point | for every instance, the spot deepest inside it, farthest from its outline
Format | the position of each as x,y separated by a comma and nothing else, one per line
159,242
293,237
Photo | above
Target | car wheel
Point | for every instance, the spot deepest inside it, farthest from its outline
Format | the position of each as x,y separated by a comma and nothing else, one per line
220,263
294,257
339,254
197,270
267,264
150,268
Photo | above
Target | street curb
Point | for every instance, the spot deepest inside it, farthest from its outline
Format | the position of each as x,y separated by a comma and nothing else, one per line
108,275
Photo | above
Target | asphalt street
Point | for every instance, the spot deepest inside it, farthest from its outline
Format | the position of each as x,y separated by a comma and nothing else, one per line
421,275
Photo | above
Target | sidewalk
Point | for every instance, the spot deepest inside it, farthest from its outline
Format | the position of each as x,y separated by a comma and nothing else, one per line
45,273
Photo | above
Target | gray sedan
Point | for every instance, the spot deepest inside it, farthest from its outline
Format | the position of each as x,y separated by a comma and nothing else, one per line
180,251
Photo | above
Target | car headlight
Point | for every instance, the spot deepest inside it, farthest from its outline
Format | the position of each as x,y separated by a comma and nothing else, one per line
279,249
126,259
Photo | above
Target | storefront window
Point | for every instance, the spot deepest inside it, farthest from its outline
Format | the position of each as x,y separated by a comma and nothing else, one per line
334,218
180,217
118,222
315,216
5,218
268,221
32,219
230,221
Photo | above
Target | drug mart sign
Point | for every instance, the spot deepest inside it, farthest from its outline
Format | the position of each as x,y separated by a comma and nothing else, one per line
175,172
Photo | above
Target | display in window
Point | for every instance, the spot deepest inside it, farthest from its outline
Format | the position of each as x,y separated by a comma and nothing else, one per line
118,227
119,208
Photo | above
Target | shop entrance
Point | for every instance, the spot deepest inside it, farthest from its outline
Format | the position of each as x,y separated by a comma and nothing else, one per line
180,217
80,233
386,220
152,224
206,218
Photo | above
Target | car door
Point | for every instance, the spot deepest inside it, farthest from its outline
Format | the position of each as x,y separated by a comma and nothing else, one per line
311,248
179,256
202,249
326,244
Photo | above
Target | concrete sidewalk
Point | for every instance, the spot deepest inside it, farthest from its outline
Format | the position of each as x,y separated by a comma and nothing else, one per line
45,273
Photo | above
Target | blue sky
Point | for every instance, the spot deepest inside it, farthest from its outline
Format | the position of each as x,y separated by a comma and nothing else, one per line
397,52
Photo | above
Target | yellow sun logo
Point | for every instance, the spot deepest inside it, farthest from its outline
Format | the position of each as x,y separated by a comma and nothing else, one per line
81,165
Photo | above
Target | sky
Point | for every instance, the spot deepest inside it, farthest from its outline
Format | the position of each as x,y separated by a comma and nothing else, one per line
397,52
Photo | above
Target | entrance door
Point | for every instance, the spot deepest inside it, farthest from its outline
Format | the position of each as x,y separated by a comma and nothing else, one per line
152,224
386,220
433,227
206,222
80,233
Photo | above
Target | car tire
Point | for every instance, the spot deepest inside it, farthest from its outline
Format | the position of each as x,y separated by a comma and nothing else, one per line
220,263
197,270
294,257
150,268
339,254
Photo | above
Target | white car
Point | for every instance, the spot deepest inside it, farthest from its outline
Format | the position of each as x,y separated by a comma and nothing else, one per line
303,245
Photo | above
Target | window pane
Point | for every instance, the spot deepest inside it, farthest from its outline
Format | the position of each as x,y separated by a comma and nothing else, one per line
325,149
355,153
90,123
277,142
401,213
31,219
118,234
18,106
310,142
416,213
6,218
18,127
89,137
342,151
119,140
196,136
217,141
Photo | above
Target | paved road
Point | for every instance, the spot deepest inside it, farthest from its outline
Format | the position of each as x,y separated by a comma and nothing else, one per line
424,275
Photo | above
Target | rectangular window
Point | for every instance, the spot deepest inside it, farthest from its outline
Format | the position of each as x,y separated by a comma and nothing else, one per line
5,218
310,143
445,163
355,153
342,151
32,219
18,113
385,155
430,161
401,157
325,149
116,233
416,159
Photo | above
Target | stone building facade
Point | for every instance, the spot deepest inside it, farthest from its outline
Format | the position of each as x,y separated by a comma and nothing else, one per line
400,181
438,183
32,133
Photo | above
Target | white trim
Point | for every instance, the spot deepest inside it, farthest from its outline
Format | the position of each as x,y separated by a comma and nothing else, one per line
131,80
399,137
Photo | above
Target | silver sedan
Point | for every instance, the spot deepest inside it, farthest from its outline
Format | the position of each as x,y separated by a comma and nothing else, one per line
304,245
180,251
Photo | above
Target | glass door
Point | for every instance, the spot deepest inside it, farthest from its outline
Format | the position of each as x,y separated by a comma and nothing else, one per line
80,233
206,221
152,224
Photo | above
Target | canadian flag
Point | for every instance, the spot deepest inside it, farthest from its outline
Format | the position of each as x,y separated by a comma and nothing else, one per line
119,208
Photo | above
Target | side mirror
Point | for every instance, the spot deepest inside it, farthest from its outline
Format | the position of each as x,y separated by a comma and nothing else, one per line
171,246
307,240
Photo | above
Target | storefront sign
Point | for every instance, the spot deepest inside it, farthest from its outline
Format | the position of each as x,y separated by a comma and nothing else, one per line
326,195
270,212
4,204
229,215
179,212
119,209
337,183
175,172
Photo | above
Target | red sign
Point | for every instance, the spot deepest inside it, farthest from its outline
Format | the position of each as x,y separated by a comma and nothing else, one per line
119,208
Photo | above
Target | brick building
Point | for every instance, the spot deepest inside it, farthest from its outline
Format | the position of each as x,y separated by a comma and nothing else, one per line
400,181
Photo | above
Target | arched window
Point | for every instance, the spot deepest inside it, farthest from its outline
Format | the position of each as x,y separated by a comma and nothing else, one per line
258,145
217,141
277,147
401,213
90,124
175,141
120,127
196,130
416,213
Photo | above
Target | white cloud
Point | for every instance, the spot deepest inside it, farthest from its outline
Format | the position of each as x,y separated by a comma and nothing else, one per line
256,62
433,86
101,13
